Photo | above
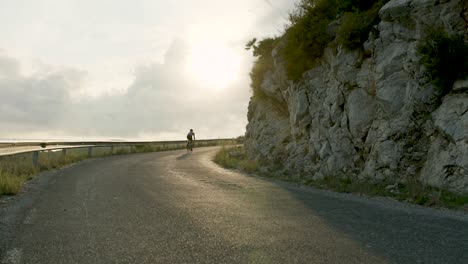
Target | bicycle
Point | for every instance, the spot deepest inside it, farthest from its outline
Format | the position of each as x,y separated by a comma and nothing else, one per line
190,145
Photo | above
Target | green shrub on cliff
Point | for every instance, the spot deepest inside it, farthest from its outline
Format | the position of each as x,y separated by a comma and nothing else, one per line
307,34
445,58
262,51
307,37
356,25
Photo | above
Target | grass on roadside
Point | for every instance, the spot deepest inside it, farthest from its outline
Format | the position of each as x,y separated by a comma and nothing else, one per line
16,170
11,184
413,191
235,158
55,161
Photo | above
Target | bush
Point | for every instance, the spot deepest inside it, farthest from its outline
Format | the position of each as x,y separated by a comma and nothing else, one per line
235,158
445,58
356,26
259,69
143,148
352,31
225,158
9,183
307,36
262,65
240,140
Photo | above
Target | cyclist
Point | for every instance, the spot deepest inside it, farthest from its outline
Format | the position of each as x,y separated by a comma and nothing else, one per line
190,138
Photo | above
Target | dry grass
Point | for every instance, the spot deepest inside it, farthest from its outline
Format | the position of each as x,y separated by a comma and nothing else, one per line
16,170
412,192
235,158
11,184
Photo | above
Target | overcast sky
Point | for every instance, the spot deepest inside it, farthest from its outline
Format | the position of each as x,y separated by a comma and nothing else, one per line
121,69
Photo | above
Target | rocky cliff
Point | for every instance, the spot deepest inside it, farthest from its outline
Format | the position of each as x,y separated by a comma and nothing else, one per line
369,114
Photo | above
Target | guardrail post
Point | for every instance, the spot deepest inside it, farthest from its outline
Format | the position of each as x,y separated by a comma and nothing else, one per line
35,159
112,150
64,152
90,152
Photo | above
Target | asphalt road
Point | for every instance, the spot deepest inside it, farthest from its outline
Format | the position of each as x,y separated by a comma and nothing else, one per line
173,207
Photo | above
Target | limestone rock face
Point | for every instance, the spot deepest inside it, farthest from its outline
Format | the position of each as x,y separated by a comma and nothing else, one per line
372,117
447,159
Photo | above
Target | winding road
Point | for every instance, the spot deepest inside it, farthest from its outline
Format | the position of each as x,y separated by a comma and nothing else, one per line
178,207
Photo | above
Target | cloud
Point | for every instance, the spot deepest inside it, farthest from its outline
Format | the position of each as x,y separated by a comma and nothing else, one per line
34,102
118,70
8,67
161,102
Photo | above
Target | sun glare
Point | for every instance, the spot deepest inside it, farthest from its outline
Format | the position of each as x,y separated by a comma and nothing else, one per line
213,66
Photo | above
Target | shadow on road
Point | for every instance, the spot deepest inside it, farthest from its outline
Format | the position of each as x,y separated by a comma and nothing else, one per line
398,235
184,156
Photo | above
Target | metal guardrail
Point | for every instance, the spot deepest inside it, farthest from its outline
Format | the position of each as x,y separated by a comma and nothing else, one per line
15,148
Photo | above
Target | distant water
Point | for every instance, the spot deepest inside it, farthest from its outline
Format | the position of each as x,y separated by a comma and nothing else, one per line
9,140
14,140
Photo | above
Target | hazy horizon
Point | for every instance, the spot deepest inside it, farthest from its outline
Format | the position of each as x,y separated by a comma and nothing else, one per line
140,70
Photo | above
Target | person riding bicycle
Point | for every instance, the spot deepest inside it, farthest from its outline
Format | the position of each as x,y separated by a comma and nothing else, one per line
191,138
